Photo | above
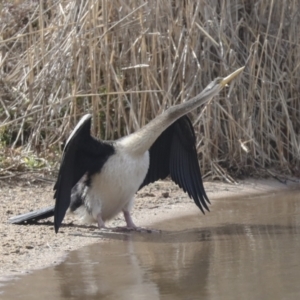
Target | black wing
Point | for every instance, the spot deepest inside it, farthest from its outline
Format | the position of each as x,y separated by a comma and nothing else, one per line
174,153
82,155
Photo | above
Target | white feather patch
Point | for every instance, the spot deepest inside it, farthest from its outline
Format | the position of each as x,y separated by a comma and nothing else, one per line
113,189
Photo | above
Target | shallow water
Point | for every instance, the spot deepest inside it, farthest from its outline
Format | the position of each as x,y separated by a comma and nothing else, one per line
243,249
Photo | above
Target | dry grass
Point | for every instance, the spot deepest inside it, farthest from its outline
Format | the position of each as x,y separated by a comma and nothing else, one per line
125,61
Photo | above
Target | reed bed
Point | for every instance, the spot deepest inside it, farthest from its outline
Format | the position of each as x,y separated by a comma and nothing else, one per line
126,61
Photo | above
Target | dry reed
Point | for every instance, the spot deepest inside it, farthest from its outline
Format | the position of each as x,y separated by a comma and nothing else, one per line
125,61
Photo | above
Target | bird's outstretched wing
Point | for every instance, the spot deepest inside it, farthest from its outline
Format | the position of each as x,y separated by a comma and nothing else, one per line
82,155
174,153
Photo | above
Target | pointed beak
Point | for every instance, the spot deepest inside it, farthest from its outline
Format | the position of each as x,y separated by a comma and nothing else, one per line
228,78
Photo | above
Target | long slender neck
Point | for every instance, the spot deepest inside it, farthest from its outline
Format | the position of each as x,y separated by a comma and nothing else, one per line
140,141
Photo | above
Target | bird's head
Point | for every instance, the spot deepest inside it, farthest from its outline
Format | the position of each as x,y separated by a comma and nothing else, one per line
219,83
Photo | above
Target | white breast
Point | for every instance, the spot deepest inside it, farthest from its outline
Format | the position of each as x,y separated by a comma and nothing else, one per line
113,189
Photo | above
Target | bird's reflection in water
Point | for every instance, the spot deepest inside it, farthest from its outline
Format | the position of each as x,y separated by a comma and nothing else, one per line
136,266
194,262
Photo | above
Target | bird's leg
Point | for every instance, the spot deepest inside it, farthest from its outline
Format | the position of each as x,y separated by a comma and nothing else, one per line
130,226
128,220
101,223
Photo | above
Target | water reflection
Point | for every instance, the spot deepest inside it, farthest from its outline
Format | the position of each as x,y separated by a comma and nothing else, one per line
245,249
137,267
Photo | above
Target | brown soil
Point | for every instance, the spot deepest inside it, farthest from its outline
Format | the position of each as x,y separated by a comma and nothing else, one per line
25,248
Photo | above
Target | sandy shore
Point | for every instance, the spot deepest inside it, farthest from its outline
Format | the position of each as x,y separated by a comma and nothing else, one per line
27,248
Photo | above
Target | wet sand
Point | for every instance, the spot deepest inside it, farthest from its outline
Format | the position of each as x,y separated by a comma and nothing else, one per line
27,248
